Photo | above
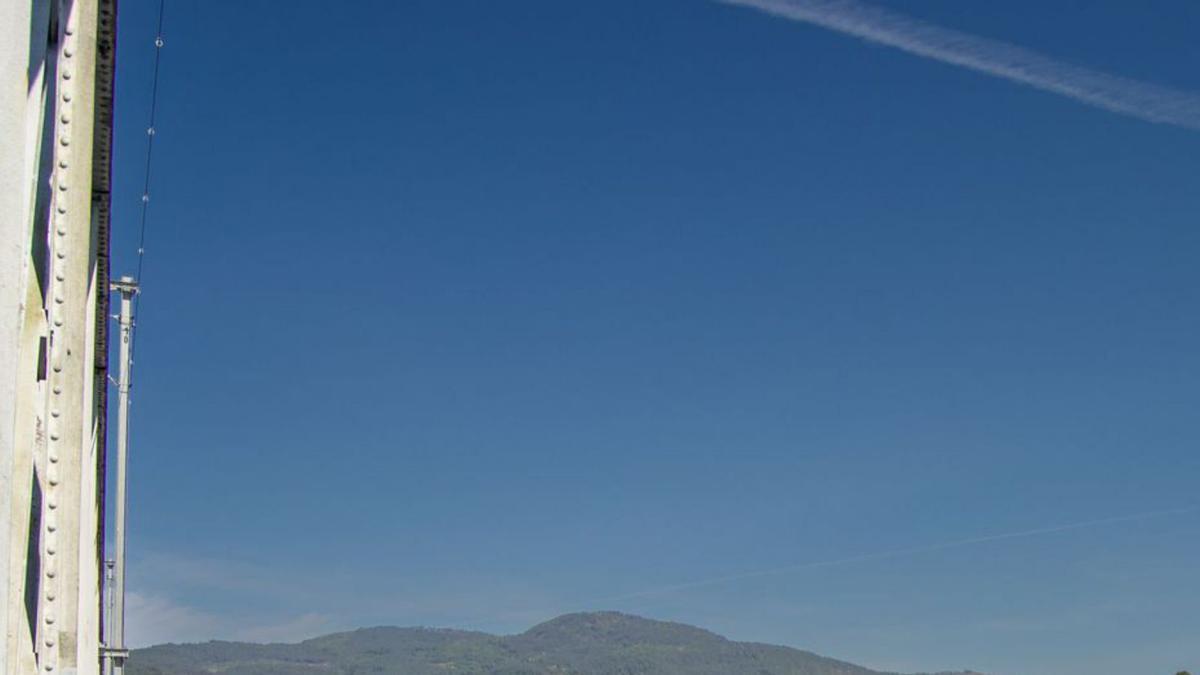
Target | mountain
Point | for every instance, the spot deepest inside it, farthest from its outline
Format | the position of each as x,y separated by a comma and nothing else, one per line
602,643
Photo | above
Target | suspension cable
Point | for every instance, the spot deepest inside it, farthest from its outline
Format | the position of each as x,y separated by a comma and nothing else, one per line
145,215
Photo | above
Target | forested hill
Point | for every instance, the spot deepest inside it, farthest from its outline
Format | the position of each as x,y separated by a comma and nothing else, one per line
585,644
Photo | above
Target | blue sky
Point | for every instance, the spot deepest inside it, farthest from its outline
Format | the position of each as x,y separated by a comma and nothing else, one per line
472,313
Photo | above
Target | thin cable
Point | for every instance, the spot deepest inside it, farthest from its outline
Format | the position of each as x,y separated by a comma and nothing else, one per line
150,133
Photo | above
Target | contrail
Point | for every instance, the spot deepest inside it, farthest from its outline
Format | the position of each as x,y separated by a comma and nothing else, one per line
900,552
483,621
1149,102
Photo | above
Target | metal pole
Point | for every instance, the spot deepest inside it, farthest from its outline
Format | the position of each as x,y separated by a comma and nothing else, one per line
127,287
106,624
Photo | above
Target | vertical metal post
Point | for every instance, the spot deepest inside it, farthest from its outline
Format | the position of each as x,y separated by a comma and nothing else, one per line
106,623
127,287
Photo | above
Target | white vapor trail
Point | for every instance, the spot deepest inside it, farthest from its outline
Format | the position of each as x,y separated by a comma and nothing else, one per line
1121,95
901,552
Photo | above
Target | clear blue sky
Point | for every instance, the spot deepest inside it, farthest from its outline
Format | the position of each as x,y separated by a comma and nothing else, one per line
472,313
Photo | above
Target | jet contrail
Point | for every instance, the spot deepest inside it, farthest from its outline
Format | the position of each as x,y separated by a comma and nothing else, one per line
484,621
900,552
1144,101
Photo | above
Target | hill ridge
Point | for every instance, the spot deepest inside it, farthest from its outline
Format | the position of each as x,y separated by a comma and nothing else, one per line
581,643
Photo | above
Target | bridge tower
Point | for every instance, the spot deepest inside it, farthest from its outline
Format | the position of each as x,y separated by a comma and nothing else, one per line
56,88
